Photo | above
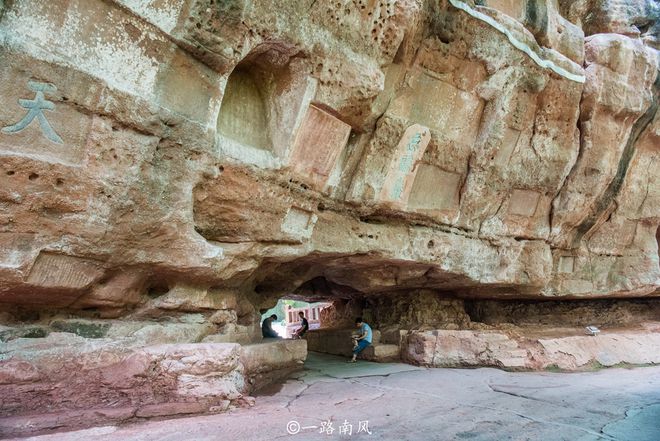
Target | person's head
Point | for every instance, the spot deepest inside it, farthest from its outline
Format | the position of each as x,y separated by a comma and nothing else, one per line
274,317
358,322
301,314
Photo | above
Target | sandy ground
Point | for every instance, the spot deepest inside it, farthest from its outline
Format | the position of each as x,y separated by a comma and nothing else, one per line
401,402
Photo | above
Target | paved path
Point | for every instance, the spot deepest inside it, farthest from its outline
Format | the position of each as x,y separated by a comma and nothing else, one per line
402,402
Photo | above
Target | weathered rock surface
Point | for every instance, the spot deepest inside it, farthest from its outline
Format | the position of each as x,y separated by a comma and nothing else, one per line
169,171
392,145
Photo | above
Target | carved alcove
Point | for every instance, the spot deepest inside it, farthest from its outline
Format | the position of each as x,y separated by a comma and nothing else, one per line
264,100
244,115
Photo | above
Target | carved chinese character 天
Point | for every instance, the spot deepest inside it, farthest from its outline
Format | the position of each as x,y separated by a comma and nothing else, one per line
36,109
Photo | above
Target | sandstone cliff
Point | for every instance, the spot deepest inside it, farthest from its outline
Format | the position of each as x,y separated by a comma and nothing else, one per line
191,161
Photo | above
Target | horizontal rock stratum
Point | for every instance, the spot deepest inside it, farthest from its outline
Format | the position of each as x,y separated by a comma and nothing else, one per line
171,168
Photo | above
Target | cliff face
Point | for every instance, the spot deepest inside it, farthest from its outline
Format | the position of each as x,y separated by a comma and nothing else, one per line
494,149
179,165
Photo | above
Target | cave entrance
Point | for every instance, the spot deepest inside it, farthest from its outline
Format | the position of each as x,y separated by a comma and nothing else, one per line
288,319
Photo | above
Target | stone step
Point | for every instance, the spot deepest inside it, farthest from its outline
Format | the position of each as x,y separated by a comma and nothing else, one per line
381,352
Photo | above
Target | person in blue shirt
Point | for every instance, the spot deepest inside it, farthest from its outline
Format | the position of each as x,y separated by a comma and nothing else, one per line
363,340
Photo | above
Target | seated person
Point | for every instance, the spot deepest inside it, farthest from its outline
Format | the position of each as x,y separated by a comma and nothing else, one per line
304,326
361,341
267,327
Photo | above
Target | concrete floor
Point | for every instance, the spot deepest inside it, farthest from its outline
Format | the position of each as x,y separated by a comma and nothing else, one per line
402,402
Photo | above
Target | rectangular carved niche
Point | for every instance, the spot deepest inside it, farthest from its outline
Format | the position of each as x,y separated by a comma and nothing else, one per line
524,202
566,264
320,140
434,189
403,167
64,272
454,113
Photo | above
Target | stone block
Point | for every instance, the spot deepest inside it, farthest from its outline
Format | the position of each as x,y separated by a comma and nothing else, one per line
381,352
428,102
607,349
463,121
273,354
43,422
463,348
522,111
614,235
176,378
319,141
